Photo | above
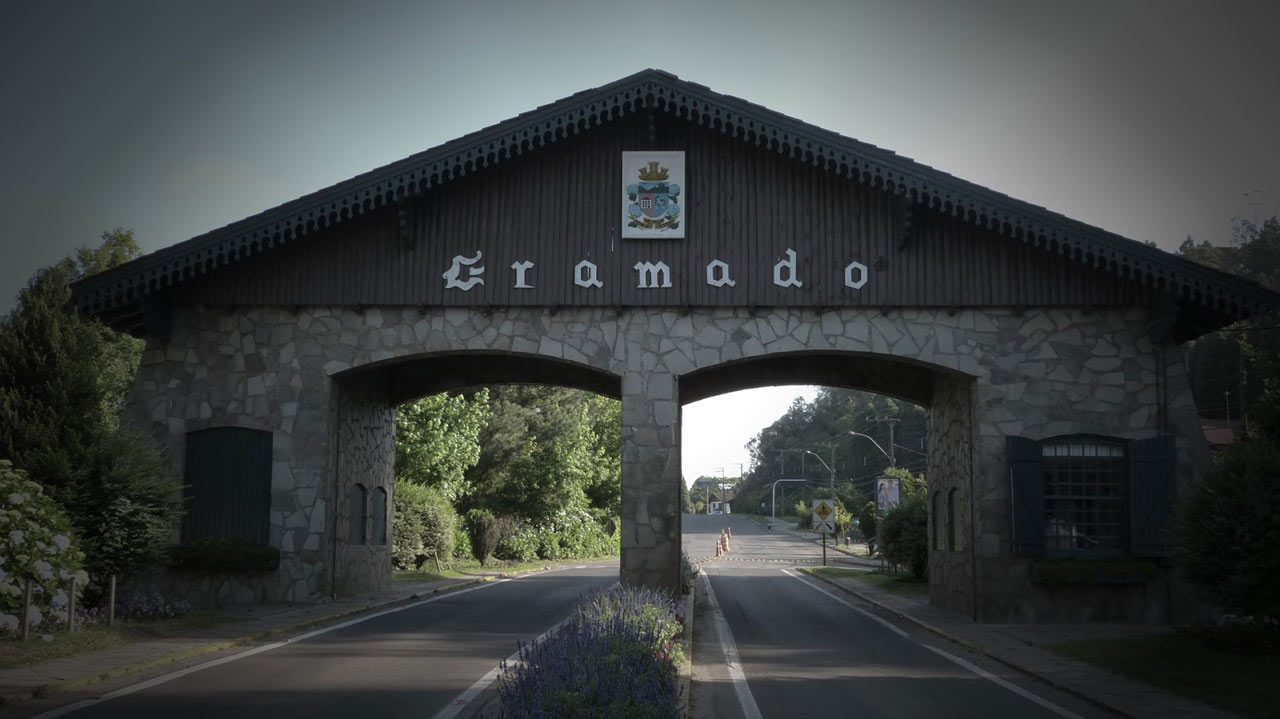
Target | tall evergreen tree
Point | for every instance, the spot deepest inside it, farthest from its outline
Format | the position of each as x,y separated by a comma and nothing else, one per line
63,380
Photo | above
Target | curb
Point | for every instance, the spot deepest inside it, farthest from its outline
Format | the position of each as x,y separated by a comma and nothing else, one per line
976,648
685,681
44,691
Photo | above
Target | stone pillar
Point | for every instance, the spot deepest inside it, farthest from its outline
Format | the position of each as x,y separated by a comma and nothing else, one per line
650,479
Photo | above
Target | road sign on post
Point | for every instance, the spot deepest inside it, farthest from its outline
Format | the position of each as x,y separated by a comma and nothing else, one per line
824,522
824,516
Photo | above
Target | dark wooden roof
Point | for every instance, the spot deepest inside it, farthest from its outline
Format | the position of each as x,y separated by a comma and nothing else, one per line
1206,298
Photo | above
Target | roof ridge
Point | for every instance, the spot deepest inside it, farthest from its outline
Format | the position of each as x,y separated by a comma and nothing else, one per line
915,182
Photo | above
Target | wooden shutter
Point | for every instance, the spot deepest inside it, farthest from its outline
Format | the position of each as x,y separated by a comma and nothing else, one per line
228,485
1152,483
1026,490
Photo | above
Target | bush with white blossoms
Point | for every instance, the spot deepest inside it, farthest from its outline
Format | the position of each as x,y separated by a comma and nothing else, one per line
35,543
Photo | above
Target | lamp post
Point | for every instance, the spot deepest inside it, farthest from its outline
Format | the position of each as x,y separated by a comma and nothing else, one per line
774,510
888,455
833,498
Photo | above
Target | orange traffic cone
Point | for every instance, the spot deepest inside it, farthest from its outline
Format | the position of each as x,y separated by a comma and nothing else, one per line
726,544
717,549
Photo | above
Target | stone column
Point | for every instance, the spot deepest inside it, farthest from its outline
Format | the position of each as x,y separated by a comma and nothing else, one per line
650,479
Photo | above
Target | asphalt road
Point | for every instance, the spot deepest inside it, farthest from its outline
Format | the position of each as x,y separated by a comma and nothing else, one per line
414,662
797,647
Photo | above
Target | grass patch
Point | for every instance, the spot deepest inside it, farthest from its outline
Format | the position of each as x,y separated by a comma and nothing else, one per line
470,569
17,653
900,584
1187,666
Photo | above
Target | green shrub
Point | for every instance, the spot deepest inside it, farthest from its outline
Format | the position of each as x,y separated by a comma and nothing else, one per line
425,526
805,513
36,545
521,546
571,535
867,520
1227,529
485,531
224,555
904,535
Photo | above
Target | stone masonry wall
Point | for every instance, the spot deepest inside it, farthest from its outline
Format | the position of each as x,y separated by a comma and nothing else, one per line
365,454
1036,373
951,578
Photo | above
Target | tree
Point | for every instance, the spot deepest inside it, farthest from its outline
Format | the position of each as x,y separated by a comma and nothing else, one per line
1227,529
437,440
1221,366
904,531
63,380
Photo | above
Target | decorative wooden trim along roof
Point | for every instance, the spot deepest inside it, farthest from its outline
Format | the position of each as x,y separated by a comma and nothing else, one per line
1215,297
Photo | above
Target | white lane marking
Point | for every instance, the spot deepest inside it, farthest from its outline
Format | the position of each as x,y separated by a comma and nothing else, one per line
463,700
731,660
1007,685
961,662
888,625
63,711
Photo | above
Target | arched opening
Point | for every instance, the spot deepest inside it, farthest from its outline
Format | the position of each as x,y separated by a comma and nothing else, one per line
868,413
498,448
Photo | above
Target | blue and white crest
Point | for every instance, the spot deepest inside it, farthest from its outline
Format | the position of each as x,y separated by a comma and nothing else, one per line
652,203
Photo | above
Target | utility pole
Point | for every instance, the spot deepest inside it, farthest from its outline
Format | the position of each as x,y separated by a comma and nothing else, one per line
892,421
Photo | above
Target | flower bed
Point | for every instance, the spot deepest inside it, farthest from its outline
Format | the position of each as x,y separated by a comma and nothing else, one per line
616,656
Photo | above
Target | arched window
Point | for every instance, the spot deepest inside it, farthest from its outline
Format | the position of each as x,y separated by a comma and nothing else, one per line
378,516
355,506
937,520
953,532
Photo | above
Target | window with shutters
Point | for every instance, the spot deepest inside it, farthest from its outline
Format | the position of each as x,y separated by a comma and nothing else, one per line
1088,495
227,478
356,507
378,516
1085,485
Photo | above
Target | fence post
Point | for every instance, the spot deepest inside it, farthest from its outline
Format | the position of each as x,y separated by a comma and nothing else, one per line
26,611
111,603
71,608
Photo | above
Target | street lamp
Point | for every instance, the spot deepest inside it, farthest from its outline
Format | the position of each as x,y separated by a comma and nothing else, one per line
774,510
829,469
888,455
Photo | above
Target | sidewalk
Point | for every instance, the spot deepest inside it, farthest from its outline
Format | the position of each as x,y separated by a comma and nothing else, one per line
257,624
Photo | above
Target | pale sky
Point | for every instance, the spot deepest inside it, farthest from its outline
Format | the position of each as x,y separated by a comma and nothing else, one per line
1155,119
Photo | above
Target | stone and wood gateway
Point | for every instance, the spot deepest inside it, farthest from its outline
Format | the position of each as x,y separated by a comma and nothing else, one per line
658,242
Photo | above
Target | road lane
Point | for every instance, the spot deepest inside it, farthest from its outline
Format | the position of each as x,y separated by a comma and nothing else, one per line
804,648
408,663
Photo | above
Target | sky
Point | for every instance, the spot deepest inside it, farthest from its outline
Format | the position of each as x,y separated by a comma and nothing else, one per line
1154,119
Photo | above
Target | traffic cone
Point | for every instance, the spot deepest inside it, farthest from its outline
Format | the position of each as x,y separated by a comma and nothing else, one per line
729,531
726,544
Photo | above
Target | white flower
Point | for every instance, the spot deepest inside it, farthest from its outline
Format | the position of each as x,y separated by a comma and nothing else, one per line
17,536
61,541
47,637
8,623
59,599
44,569
16,498
34,616
82,578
